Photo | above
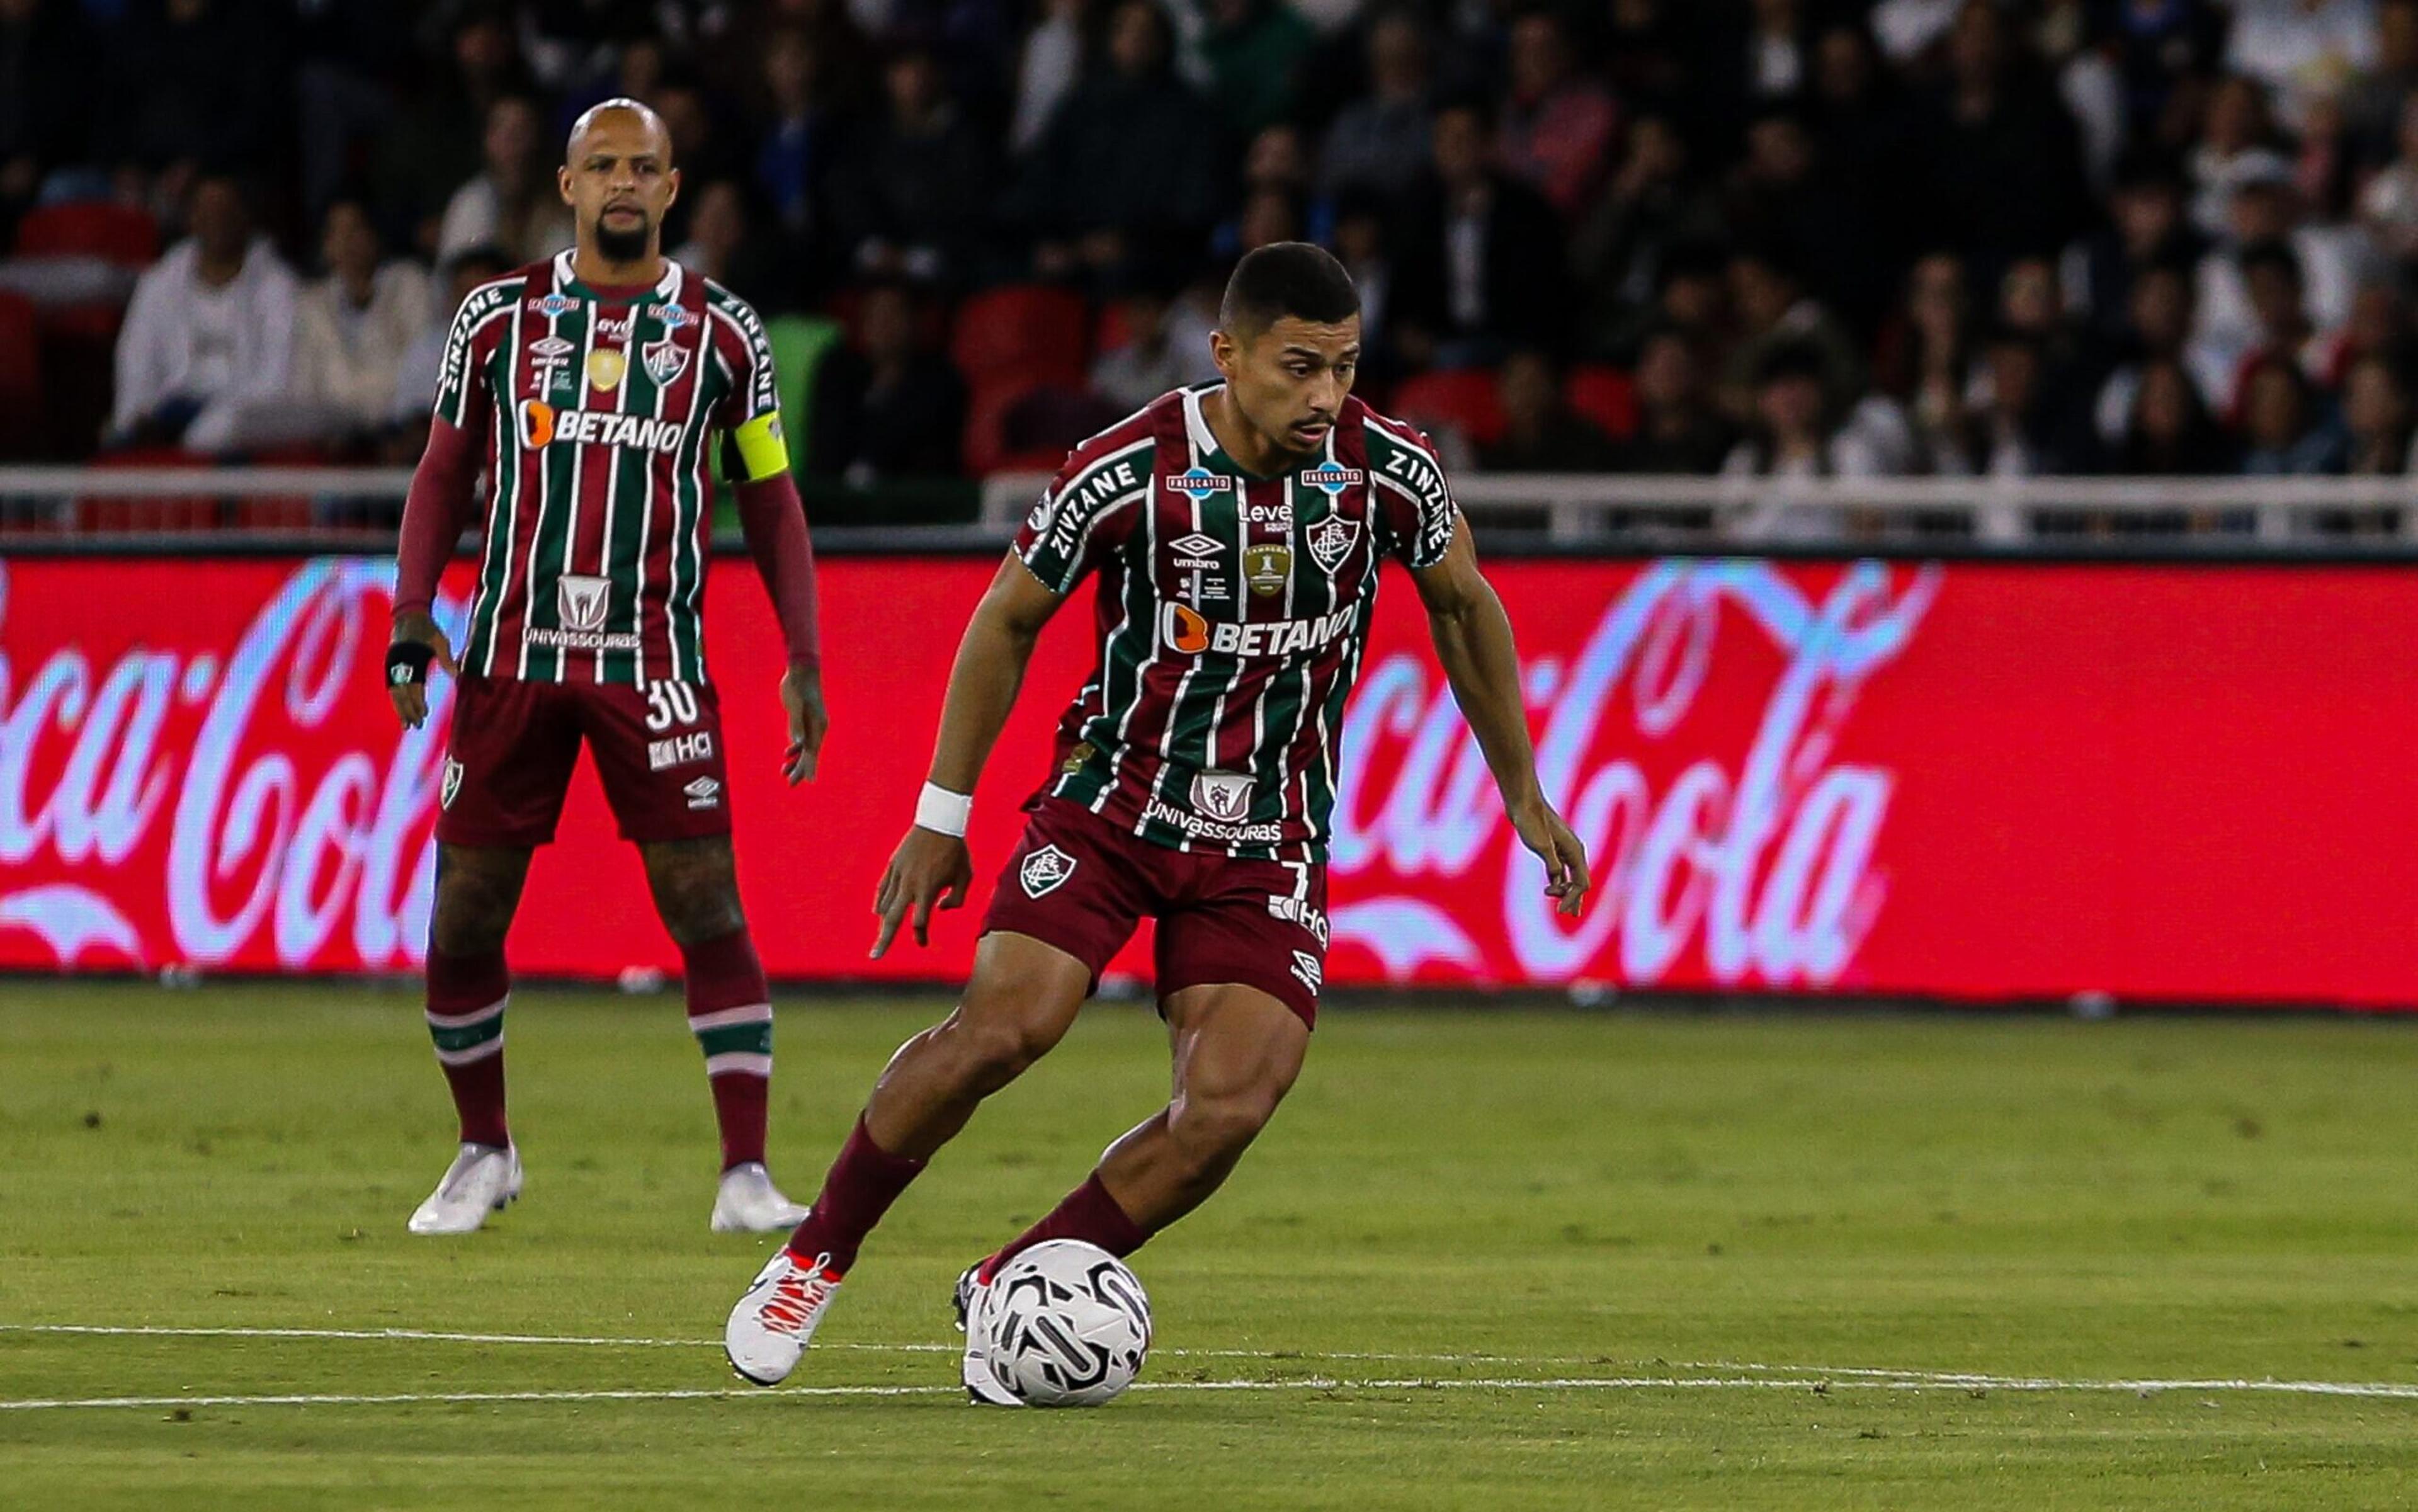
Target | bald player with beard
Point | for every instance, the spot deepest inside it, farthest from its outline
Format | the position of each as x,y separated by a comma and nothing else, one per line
589,390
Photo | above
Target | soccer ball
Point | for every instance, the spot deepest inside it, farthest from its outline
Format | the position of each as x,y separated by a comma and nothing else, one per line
1065,1325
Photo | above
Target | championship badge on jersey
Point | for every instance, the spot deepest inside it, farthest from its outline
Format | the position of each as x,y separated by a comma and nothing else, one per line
664,360
1267,569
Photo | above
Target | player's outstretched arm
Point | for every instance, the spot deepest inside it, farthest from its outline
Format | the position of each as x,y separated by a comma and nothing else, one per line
1473,640
931,867
434,515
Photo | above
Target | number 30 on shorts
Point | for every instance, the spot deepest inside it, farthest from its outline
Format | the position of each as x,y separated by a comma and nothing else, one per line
669,704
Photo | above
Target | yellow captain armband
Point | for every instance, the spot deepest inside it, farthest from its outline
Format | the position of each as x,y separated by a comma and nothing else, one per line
762,450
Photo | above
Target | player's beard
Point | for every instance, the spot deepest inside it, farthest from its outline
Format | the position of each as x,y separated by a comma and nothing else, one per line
623,246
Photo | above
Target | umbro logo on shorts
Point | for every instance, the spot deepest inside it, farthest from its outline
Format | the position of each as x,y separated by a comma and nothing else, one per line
1305,967
1044,871
704,793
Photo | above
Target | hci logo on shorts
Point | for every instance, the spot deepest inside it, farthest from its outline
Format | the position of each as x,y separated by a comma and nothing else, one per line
580,601
449,784
1223,796
1044,871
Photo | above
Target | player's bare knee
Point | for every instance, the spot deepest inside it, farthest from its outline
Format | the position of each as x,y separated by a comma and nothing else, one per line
1218,1126
477,893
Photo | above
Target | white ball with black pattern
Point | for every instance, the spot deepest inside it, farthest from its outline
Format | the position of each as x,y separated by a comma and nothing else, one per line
1065,1325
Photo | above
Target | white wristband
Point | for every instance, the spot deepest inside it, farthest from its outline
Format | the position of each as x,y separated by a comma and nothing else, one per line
942,811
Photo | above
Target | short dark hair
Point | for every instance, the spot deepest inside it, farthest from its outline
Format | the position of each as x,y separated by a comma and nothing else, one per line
1287,278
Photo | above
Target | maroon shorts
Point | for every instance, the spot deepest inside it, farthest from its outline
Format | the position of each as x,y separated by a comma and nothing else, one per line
1081,884
658,751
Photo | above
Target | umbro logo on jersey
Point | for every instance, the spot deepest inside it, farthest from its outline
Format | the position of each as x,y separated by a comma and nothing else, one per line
1196,553
551,346
1333,480
704,793
1044,871
1197,482
542,424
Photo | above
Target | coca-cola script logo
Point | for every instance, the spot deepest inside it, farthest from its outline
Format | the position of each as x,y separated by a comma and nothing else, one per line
236,775
1762,855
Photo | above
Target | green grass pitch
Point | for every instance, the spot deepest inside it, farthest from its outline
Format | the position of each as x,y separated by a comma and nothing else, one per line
1482,1259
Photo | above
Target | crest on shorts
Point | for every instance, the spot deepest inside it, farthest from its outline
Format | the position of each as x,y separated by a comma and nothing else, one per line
664,360
1044,871
1267,569
1330,541
449,784
1223,796
580,601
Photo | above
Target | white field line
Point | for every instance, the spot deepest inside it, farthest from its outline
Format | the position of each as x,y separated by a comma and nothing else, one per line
2303,1388
607,1342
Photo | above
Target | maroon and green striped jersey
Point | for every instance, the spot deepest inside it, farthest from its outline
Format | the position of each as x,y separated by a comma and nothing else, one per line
598,412
1233,614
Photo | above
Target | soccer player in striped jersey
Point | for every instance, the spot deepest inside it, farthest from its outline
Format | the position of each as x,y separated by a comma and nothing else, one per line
1235,530
588,389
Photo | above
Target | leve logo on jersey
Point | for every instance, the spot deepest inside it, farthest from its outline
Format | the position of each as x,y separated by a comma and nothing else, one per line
542,424
1184,630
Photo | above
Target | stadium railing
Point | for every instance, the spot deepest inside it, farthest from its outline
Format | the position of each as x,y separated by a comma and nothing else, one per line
356,508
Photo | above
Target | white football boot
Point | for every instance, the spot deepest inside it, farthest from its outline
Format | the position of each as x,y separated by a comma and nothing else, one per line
981,1388
749,1203
776,1316
482,1180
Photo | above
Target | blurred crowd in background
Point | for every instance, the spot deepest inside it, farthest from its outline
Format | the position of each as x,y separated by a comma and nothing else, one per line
1768,237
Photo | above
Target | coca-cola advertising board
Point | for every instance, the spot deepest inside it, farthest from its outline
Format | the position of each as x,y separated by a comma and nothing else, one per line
1965,780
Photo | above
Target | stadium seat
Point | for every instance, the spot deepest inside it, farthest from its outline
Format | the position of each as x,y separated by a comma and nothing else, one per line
22,408
103,513
1604,395
984,449
1463,399
1027,331
799,342
123,233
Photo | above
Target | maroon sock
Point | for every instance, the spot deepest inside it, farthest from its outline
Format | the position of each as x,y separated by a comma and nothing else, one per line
465,1019
730,1013
1089,1214
859,1189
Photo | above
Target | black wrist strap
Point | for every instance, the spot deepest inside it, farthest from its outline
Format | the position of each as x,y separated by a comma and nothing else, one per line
406,663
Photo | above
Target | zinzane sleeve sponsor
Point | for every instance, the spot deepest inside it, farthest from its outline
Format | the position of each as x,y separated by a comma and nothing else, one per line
462,373
752,410
1084,514
1414,505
